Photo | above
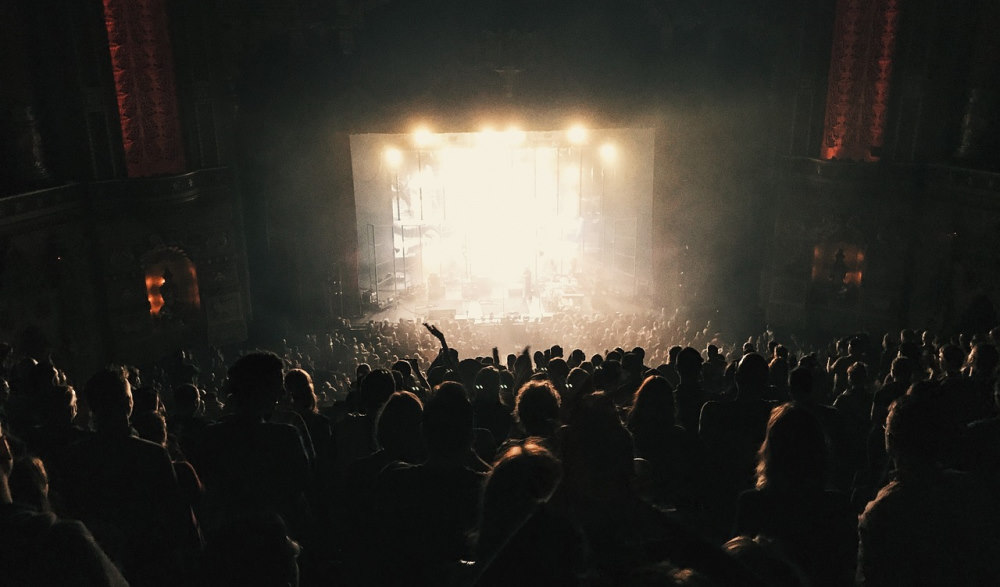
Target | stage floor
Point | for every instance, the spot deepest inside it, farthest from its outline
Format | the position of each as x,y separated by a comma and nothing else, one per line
483,305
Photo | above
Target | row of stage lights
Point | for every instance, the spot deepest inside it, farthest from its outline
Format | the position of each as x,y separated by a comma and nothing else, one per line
423,138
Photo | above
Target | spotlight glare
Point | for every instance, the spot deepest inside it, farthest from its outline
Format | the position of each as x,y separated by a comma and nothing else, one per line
577,134
609,153
393,157
423,137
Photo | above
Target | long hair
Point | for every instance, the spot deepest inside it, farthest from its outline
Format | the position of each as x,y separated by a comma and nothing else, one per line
652,405
794,452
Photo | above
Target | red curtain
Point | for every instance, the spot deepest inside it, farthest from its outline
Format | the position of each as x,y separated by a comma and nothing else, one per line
860,69
143,67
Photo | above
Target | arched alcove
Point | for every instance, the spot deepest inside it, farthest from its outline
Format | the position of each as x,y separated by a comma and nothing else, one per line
171,283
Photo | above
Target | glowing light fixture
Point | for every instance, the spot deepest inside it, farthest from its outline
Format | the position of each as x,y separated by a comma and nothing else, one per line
577,134
423,137
609,153
393,157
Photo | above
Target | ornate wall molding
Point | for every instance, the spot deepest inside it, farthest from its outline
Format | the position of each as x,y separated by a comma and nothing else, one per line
142,61
860,71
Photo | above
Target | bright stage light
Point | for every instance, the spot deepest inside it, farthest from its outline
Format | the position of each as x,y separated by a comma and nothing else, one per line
423,137
393,157
609,153
577,134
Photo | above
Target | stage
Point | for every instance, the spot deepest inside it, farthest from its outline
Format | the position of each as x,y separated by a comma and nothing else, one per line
482,300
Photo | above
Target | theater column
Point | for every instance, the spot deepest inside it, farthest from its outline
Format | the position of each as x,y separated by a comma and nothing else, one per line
864,39
22,161
143,65
979,142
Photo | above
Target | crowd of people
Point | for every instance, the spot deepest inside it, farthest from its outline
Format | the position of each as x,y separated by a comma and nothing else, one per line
635,450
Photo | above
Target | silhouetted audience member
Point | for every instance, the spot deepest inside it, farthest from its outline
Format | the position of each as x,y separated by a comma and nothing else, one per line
355,435
669,452
252,465
397,426
520,542
816,528
490,413
29,483
299,386
928,526
597,495
855,403
981,368
125,491
37,548
152,427
981,447
731,433
428,511
56,430
187,422
713,370
689,395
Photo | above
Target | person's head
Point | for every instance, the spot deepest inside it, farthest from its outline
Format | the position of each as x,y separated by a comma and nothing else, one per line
537,408
397,426
607,377
800,384
712,351
146,398
652,405
403,367
631,363
558,370
597,450
187,400
299,386
109,396
913,431
467,371
672,354
793,454
361,371
579,382
256,381
151,426
752,375
375,389
901,370
689,364
29,483
525,476
57,405
952,358
983,360
507,388
448,422
487,385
